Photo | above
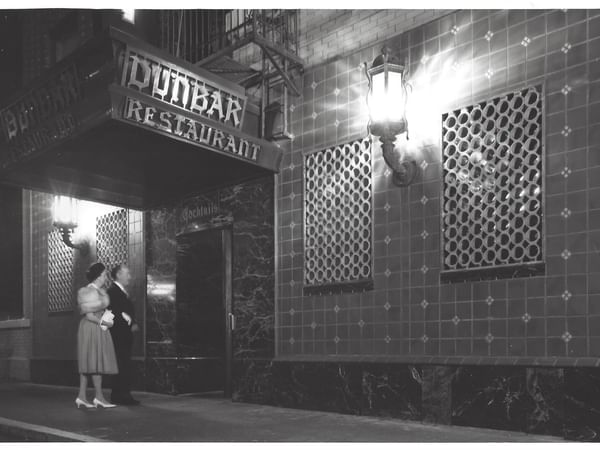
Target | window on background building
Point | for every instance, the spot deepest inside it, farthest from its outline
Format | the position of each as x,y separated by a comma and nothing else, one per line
11,253
492,201
338,215
65,36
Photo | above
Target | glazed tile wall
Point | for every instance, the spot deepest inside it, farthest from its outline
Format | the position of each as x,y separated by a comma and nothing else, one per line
454,61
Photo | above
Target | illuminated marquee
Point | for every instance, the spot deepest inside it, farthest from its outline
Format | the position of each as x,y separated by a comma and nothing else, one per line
181,88
190,130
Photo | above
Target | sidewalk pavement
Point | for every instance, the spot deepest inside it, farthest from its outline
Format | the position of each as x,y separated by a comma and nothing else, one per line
35,412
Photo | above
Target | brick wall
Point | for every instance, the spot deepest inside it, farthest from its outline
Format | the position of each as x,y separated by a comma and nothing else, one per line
454,61
324,34
15,352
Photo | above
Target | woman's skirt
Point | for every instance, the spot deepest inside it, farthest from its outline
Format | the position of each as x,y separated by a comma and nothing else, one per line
95,349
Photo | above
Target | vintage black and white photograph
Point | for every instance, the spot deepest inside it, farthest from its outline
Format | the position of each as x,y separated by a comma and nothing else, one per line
326,223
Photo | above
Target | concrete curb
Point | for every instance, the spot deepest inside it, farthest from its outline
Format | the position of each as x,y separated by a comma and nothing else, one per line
38,433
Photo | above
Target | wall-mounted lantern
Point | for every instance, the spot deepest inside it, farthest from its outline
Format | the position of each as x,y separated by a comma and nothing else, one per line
65,218
387,99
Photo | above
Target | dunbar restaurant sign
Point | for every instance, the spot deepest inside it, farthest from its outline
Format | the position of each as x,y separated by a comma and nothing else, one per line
182,101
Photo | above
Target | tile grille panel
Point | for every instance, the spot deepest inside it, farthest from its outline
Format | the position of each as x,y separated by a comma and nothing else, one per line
492,166
112,238
60,274
338,214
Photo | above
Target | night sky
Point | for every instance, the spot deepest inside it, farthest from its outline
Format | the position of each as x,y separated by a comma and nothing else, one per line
10,53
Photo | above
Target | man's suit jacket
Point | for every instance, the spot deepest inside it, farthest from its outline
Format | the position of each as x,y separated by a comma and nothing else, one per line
119,302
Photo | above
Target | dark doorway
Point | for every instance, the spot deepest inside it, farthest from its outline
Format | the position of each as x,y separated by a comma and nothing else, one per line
204,310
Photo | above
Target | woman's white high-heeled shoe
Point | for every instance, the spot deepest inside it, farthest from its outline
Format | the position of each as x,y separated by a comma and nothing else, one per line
79,402
104,405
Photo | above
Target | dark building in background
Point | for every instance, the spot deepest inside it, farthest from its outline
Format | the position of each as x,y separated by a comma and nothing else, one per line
274,257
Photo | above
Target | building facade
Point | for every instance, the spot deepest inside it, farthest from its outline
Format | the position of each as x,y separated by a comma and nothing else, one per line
466,297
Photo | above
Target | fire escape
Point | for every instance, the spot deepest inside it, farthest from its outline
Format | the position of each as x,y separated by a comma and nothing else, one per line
257,49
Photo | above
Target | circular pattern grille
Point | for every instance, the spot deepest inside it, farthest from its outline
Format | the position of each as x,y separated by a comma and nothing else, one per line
338,214
492,168
60,273
111,238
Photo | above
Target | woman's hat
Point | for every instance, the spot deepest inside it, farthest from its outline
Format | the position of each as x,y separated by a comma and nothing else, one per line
94,271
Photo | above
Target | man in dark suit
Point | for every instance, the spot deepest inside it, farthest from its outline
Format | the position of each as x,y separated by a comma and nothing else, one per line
122,334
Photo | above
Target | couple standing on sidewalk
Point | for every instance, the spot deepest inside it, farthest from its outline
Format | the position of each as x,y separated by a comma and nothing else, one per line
100,352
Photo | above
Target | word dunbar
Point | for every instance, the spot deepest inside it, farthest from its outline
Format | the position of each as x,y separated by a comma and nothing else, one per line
181,88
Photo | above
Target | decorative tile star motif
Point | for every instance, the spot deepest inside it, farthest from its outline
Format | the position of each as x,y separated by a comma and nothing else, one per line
292,107
336,92
424,269
455,65
292,312
292,225
565,48
361,323
387,272
566,89
488,35
566,131
387,240
387,339
336,123
292,283
566,172
313,85
424,234
424,338
292,166
336,339
566,336
424,59
292,340
293,253
526,317
424,165
336,309
313,115
454,30
566,213
455,320
566,254
386,207
566,296
292,196
424,304
387,172
489,73
313,325
387,306
489,338
526,41
424,199
489,300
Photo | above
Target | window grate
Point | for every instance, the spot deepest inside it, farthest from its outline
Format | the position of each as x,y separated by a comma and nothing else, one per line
112,238
338,214
492,169
60,274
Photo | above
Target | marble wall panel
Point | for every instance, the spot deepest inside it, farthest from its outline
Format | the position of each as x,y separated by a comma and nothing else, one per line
490,397
582,404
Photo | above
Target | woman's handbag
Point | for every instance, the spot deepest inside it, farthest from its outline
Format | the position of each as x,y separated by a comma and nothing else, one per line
106,318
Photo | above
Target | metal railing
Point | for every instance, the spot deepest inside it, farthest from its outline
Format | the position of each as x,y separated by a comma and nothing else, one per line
196,34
